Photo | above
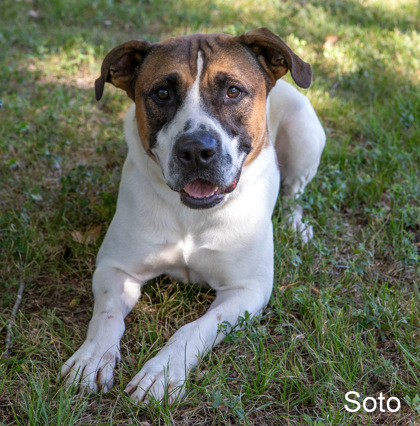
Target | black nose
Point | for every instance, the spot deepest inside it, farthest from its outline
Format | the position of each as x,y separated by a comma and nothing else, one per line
196,150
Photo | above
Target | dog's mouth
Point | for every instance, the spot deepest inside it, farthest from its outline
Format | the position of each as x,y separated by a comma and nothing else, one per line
202,194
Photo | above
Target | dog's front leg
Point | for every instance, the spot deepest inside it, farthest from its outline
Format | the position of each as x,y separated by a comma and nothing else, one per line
168,370
92,366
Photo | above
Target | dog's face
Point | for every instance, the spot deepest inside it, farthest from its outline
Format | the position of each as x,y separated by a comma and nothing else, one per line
200,104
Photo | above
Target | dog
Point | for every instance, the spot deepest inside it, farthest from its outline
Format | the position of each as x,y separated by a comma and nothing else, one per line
211,129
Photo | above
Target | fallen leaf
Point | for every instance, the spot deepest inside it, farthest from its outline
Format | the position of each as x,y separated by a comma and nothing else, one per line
77,236
12,151
89,237
330,40
93,234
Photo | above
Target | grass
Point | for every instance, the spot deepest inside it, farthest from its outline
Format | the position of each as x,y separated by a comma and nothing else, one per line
345,310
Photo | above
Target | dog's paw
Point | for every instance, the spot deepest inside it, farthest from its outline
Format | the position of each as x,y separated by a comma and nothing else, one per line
91,368
157,381
294,221
303,230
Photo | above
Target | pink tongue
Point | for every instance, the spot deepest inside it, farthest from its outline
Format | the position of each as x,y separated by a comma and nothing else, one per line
199,188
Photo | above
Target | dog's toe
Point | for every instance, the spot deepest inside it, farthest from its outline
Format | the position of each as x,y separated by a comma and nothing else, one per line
303,230
90,370
306,232
156,383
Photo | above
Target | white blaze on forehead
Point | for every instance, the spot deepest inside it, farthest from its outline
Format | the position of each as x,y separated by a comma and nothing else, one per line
193,97
191,108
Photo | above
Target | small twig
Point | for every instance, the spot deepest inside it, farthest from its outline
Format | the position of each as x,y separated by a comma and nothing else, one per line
284,287
8,342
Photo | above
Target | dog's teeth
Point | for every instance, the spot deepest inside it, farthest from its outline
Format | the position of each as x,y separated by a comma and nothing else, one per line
211,195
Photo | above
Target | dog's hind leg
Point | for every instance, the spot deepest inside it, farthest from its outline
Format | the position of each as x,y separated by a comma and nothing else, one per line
292,187
299,141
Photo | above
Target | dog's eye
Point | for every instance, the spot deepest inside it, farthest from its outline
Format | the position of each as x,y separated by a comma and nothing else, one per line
162,95
233,92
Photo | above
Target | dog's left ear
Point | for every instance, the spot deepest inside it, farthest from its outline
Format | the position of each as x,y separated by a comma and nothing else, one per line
276,57
120,67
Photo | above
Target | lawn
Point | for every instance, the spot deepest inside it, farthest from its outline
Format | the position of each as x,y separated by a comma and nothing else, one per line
345,311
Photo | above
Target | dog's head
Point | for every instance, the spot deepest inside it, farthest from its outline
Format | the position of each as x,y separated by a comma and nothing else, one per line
200,104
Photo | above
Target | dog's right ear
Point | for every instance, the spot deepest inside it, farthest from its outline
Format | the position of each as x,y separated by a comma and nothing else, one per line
120,67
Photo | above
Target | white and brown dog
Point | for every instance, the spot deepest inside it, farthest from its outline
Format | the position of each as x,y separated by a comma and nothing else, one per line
206,148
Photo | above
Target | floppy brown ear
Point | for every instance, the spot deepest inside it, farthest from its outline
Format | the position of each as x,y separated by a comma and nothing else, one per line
276,57
120,67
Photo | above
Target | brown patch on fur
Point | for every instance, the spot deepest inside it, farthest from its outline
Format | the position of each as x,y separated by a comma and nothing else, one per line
263,142
162,61
248,116
143,128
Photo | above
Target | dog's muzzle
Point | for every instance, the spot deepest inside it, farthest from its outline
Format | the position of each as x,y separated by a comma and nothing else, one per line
200,162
